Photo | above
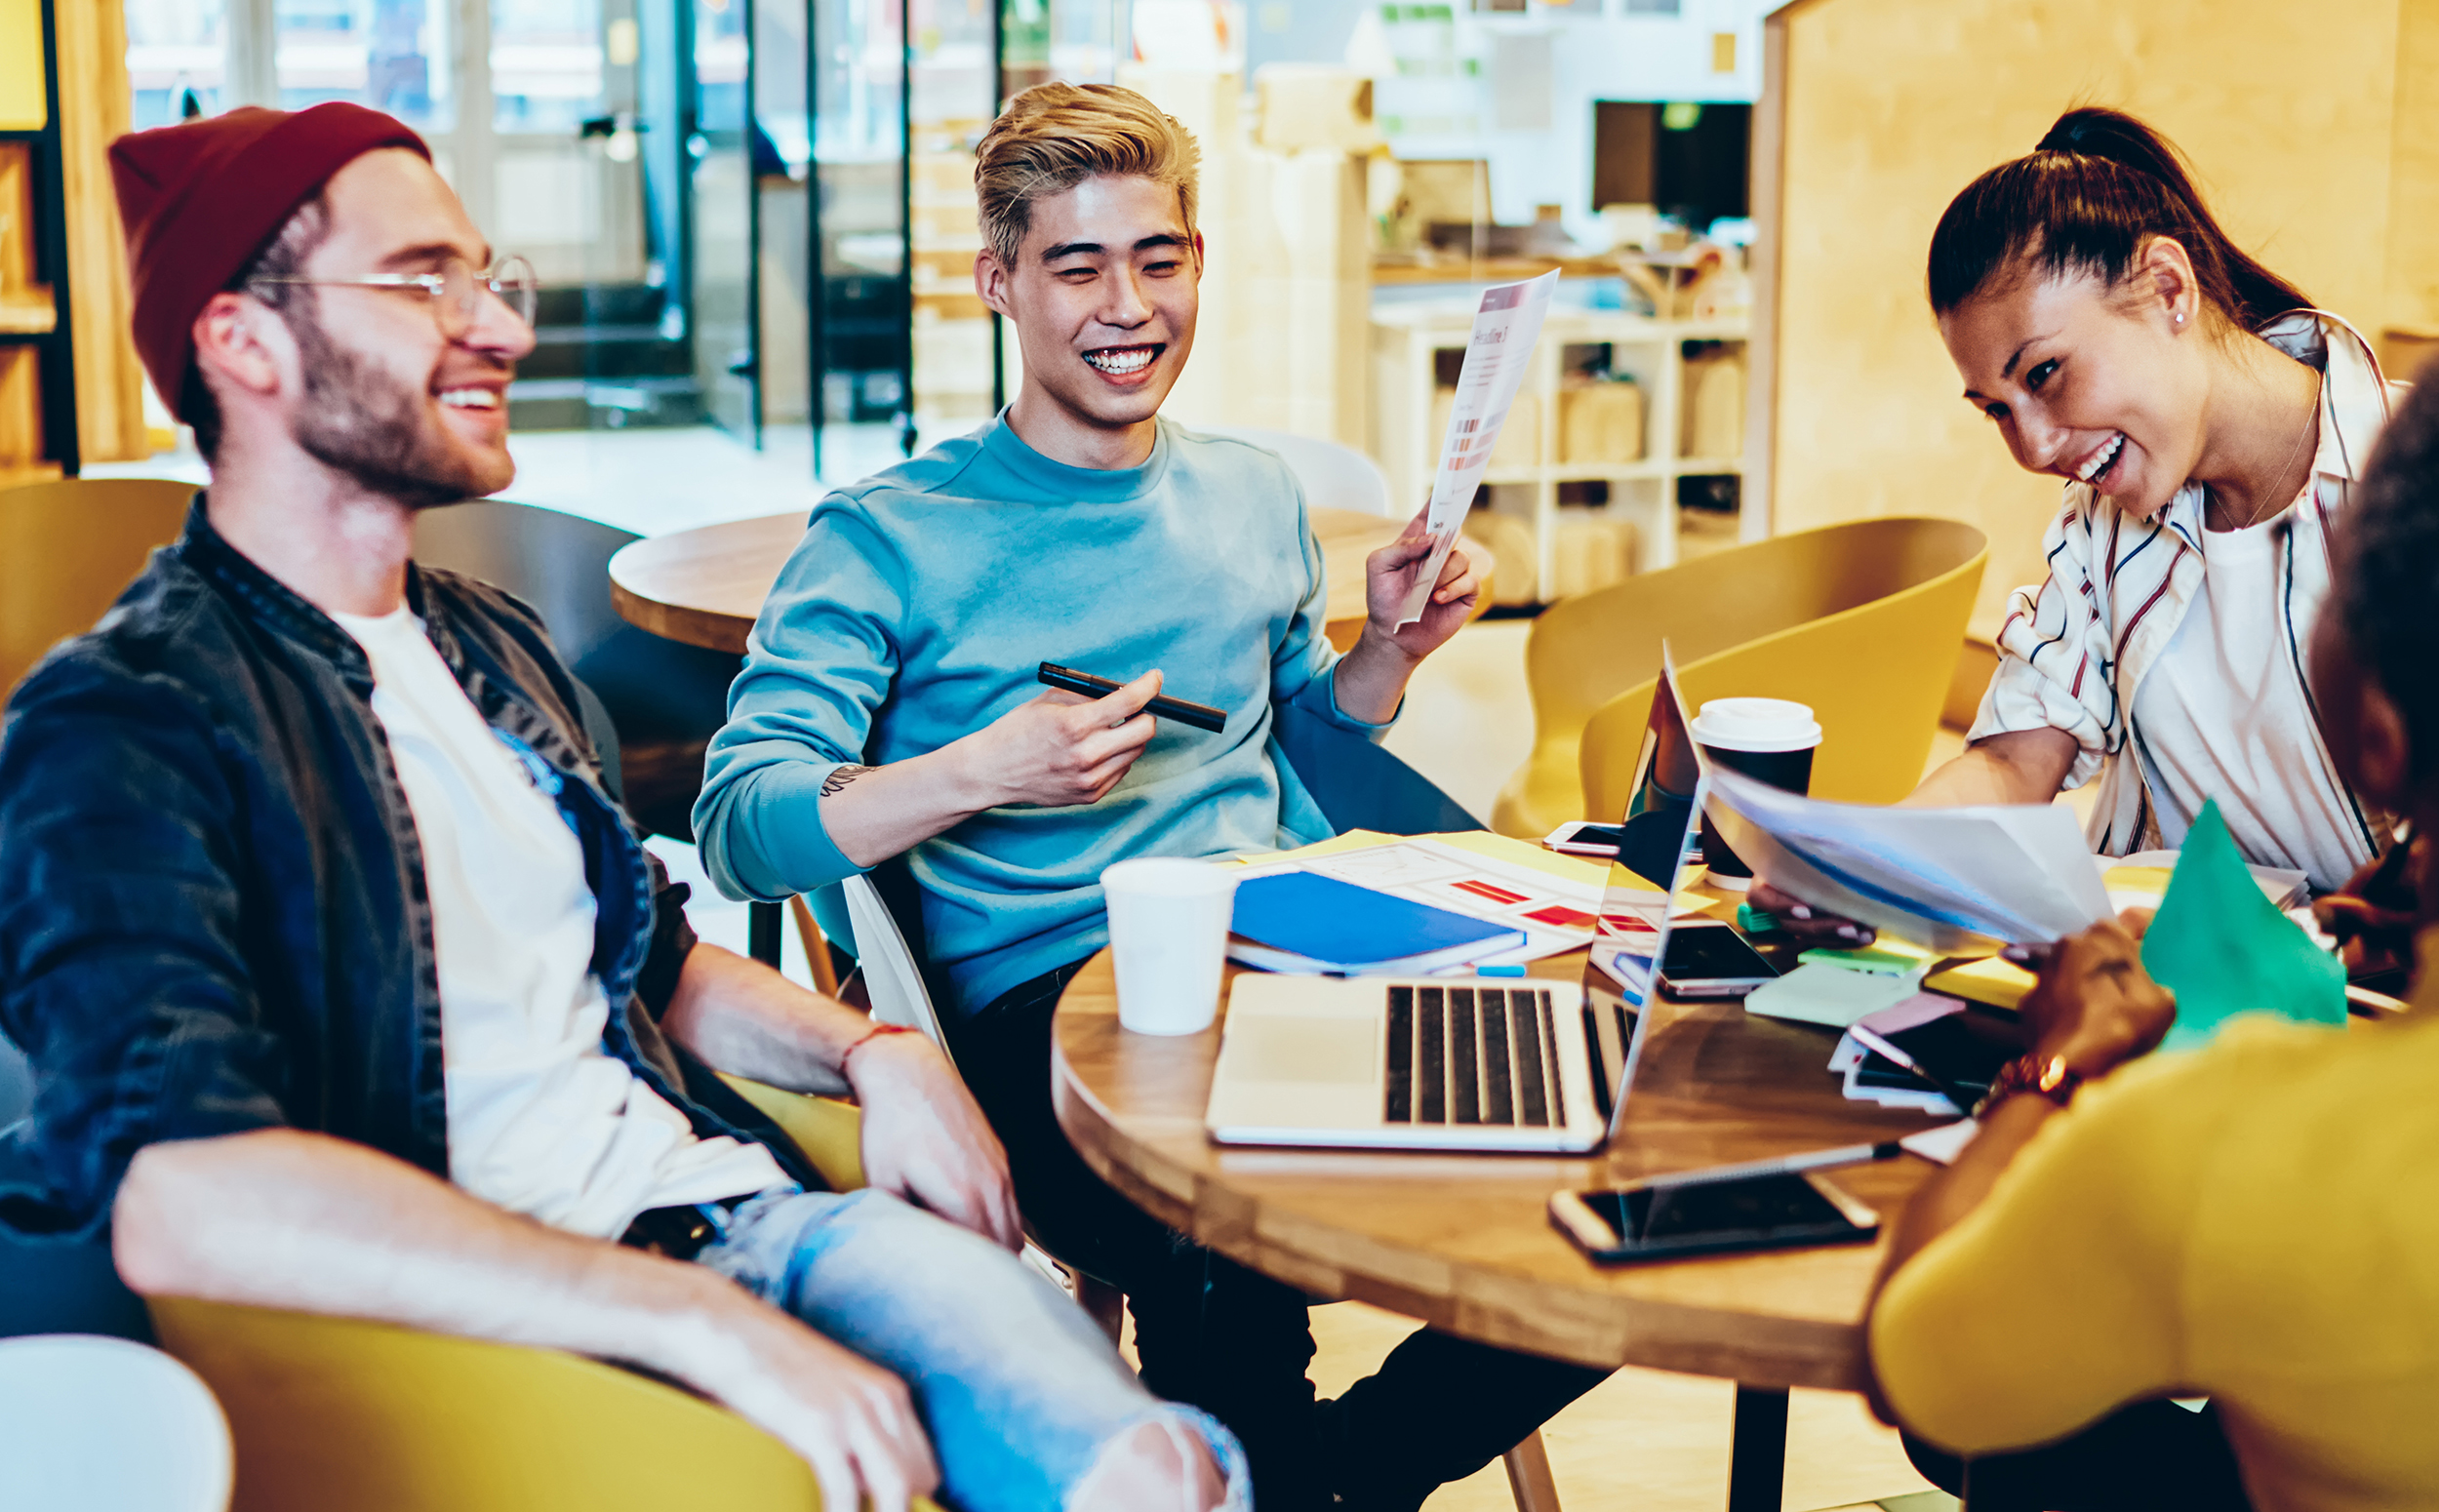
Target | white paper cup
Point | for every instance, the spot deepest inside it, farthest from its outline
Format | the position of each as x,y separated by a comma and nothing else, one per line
1169,929
1769,738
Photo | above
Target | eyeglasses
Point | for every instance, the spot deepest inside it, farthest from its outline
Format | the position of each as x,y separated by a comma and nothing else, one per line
456,291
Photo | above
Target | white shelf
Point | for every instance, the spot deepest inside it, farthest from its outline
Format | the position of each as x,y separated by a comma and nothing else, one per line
1406,339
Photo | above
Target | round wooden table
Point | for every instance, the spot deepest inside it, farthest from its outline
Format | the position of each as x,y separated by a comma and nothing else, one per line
1463,1242
705,586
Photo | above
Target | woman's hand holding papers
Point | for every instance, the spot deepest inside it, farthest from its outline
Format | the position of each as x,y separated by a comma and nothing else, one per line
1812,926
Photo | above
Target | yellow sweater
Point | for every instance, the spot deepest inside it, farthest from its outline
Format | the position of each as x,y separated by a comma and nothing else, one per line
2256,1222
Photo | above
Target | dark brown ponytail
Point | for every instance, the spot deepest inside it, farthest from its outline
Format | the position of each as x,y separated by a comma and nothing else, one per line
2085,200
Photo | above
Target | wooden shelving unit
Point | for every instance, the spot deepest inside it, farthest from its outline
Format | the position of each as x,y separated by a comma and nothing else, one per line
37,365
71,392
1407,343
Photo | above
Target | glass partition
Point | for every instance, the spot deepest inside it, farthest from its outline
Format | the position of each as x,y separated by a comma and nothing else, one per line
175,49
720,174
391,54
858,237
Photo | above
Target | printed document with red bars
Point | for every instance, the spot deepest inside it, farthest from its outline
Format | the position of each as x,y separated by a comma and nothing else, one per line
1505,327
1556,913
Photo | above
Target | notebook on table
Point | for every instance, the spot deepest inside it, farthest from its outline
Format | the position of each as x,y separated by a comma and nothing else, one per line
1524,1065
1298,920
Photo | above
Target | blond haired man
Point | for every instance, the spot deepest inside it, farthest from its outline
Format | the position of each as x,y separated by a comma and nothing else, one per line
888,707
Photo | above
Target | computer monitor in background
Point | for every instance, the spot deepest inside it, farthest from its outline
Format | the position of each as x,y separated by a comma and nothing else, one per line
1687,160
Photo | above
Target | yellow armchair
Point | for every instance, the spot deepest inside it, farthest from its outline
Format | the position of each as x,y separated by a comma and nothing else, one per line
332,1413
67,548
1862,621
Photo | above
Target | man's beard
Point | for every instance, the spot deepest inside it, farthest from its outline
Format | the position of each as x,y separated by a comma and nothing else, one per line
362,421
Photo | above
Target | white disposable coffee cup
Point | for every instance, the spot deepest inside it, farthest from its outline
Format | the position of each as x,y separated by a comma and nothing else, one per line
1769,738
1756,725
1168,930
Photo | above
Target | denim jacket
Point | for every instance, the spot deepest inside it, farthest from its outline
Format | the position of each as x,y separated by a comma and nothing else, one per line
212,915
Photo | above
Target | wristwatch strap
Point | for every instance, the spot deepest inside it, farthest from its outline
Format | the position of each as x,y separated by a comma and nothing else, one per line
2052,1078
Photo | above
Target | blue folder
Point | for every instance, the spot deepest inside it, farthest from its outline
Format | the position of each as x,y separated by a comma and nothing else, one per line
1298,920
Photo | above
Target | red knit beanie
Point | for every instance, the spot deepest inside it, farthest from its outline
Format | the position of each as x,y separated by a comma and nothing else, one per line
200,199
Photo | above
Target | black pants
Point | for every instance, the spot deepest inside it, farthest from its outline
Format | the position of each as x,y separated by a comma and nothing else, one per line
2153,1457
1217,1335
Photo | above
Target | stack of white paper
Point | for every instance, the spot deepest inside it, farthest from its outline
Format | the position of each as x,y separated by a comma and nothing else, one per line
1958,881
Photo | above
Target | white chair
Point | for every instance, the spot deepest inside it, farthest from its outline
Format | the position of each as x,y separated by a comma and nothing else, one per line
108,1425
1335,475
893,981
892,978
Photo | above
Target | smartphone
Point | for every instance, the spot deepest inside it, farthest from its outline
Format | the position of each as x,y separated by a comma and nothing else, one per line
1662,1218
1582,837
1707,959
1963,1050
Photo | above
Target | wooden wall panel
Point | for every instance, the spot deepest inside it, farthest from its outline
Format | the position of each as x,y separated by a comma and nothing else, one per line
94,112
2414,175
1890,107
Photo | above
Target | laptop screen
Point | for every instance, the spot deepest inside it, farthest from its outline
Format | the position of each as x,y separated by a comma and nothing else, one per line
1656,838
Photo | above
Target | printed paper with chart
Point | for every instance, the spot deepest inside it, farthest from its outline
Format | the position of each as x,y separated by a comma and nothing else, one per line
1556,913
1505,327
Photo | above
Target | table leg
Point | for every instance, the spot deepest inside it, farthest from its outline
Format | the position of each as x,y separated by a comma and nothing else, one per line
1757,1454
762,932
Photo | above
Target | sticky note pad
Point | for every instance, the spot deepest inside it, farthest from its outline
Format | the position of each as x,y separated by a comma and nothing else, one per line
2226,950
1991,981
1829,995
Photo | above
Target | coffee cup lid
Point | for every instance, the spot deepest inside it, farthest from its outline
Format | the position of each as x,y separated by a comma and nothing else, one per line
1756,725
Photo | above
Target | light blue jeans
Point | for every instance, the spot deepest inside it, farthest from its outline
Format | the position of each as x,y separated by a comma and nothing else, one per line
1017,1387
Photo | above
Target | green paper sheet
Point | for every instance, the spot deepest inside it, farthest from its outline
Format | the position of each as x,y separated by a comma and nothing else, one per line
2226,950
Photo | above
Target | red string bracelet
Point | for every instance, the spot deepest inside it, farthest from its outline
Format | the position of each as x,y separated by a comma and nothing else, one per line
867,1038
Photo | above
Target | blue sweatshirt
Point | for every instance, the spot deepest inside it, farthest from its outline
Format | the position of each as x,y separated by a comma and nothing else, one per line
915,612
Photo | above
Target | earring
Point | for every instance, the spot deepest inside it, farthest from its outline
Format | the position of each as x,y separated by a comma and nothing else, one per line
2180,317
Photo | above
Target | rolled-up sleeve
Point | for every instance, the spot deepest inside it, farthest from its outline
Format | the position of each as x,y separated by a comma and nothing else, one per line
821,659
122,973
2054,668
2050,1306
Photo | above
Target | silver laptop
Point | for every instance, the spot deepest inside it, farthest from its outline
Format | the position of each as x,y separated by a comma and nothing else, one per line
1528,1065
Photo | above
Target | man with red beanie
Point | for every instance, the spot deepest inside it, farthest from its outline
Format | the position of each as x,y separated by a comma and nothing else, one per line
349,988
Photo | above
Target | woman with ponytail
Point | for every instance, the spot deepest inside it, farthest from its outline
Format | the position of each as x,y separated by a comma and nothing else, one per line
2210,424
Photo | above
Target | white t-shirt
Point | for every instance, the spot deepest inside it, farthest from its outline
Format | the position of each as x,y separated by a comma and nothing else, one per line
542,1120
2223,714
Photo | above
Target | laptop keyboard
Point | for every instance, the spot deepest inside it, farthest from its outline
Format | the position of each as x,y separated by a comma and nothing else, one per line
1473,1055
